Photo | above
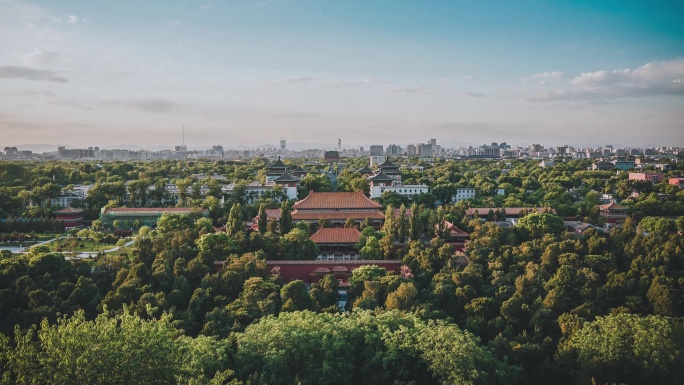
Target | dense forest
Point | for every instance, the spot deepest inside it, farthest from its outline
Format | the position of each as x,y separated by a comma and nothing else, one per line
527,304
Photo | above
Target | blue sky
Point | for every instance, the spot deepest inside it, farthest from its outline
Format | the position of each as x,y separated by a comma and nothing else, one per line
250,72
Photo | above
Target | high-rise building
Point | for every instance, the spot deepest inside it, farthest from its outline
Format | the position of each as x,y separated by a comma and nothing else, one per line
376,150
282,145
411,150
425,150
393,149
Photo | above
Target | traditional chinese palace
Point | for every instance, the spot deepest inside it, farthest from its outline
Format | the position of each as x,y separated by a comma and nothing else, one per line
337,207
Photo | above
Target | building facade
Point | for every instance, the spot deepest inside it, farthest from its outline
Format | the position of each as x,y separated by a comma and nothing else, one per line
464,194
653,177
338,207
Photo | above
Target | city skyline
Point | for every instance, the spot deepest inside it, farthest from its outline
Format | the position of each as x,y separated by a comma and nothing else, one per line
249,73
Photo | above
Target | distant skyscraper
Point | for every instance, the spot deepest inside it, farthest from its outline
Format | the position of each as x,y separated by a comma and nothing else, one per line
393,149
282,145
376,150
425,150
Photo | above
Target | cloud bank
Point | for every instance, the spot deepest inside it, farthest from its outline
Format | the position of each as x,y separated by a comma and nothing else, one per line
16,72
651,79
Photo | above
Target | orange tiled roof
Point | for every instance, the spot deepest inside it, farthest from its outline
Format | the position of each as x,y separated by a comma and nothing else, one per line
612,206
68,210
270,214
339,215
336,200
455,231
336,235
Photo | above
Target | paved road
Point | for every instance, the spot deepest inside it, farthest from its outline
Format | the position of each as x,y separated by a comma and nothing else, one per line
20,249
333,180
93,254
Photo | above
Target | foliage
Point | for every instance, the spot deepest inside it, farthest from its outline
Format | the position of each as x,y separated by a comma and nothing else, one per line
626,348
121,350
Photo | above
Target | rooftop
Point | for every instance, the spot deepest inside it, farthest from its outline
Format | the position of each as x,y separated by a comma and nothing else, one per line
336,215
278,164
68,210
336,201
336,235
286,177
454,231
381,177
387,164
298,170
612,206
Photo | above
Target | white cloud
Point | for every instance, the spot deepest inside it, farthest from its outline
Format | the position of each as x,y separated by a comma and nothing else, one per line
651,79
545,77
648,75
16,72
147,105
412,90
39,58
44,33
474,94
71,19
292,80
354,83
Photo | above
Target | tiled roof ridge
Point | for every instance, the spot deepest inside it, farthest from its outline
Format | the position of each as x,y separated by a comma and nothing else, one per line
329,198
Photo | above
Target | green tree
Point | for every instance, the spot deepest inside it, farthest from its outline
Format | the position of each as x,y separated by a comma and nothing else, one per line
77,351
296,245
263,219
349,223
168,223
216,246
324,294
258,298
415,224
295,296
367,273
372,249
539,224
626,348
285,219
403,298
235,223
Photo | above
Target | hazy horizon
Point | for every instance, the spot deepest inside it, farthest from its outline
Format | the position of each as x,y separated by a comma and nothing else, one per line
252,72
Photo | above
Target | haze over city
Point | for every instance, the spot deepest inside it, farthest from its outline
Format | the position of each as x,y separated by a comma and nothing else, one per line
251,72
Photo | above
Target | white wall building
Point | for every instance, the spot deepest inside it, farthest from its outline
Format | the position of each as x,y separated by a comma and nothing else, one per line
78,192
463,194
379,183
407,190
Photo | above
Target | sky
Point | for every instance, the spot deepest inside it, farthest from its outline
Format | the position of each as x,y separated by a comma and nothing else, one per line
246,73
